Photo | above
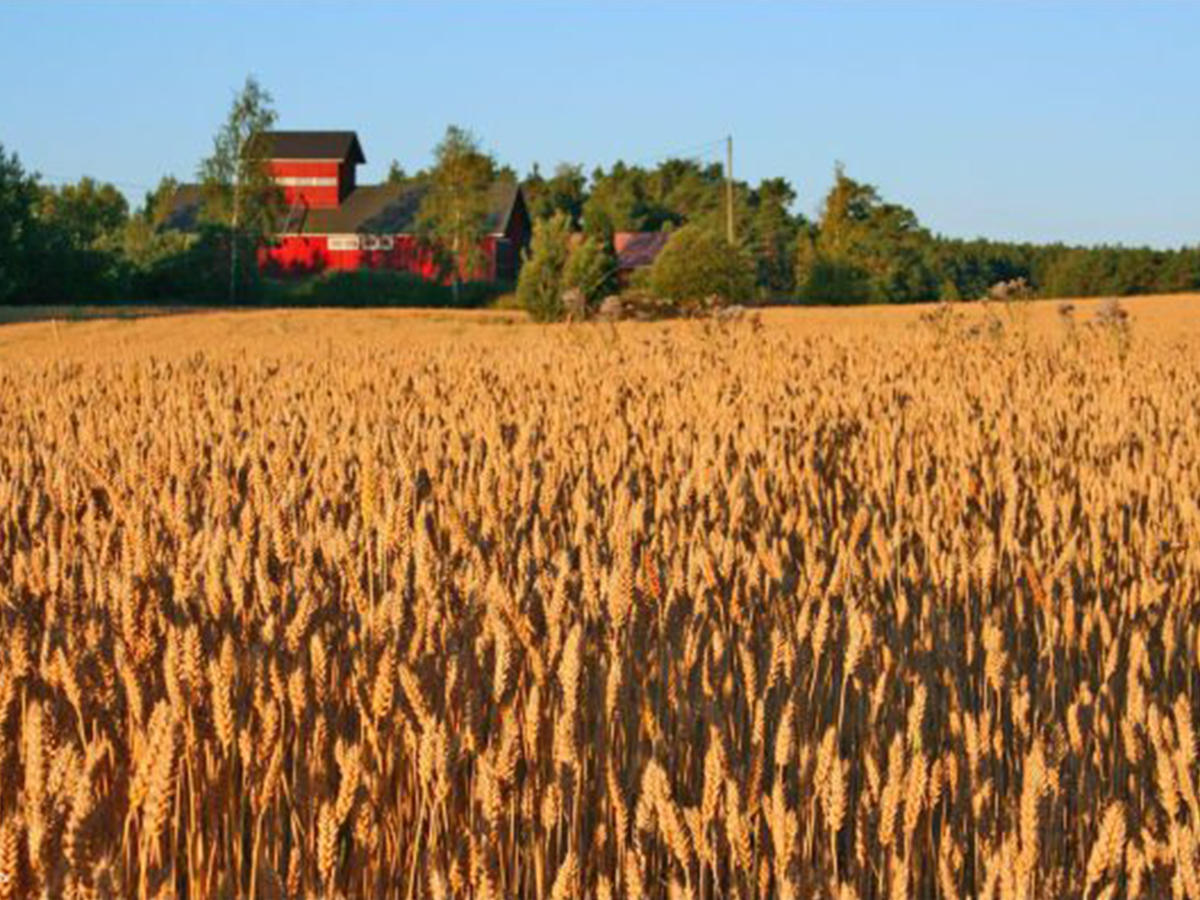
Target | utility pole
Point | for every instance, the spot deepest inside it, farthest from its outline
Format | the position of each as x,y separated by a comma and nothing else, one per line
729,188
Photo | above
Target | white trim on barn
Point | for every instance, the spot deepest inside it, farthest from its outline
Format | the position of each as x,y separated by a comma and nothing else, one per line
352,242
305,181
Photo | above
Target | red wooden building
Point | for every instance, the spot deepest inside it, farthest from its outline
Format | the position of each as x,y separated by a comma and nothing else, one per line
332,222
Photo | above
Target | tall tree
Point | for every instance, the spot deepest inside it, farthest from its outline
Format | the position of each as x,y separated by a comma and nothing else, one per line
239,193
773,232
866,249
454,211
18,194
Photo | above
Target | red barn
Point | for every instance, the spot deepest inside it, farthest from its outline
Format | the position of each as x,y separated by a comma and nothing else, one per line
332,222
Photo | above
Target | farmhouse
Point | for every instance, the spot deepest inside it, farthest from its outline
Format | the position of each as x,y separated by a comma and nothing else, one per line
332,222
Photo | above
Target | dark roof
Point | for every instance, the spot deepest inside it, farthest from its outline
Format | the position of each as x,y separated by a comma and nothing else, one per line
374,209
337,145
371,209
636,249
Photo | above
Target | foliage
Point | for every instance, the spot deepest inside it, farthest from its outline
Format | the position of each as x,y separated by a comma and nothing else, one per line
397,175
195,268
454,211
590,268
773,231
565,191
540,284
368,288
18,239
864,249
83,213
835,281
698,263
631,198
239,191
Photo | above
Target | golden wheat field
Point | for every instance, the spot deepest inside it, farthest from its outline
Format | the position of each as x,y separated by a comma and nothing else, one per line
842,604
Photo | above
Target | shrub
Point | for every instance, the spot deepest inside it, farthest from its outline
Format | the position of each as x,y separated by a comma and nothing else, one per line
590,268
375,287
539,288
697,264
196,269
836,282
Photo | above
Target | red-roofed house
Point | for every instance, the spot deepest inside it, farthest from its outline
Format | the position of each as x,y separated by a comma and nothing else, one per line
637,250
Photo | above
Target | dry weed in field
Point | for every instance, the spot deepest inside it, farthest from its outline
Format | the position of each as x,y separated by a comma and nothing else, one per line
638,612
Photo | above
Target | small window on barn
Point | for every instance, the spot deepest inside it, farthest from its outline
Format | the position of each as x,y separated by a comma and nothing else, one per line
386,243
370,242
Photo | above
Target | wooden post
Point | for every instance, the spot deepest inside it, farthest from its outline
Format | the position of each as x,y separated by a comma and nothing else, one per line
729,188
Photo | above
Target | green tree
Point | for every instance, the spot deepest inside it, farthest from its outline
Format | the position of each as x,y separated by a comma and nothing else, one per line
773,232
144,242
540,284
79,248
18,226
617,202
591,268
156,206
835,280
698,263
676,192
239,193
85,212
865,250
565,191
454,211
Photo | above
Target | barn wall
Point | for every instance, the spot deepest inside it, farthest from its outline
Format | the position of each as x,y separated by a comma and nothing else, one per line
317,197
310,254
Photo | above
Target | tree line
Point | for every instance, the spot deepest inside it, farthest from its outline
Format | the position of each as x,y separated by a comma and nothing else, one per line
82,242
859,248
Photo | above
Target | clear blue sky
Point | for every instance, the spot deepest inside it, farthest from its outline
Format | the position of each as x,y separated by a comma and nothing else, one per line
1044,121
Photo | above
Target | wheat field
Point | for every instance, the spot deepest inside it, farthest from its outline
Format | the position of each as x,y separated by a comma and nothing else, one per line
842,604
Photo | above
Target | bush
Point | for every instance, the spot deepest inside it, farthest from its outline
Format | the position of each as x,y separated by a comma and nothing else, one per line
375,287
590,268
697,264
539,288
196,270
835,281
